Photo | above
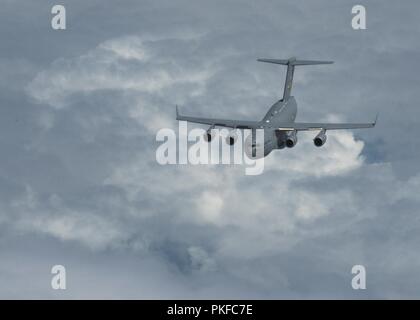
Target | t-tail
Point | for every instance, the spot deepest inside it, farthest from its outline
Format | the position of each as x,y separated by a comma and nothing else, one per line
291,63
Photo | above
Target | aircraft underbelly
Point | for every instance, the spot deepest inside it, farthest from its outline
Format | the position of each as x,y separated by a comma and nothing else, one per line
286,113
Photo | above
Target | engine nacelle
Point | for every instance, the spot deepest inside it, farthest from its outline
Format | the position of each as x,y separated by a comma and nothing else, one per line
231,138
208,136
291,139
320,139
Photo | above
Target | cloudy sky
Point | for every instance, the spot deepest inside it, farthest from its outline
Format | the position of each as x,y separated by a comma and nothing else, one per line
80,185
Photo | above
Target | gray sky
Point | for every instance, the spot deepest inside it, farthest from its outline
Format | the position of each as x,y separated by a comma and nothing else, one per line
80,186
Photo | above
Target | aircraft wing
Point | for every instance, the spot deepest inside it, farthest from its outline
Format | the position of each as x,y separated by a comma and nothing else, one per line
302,126
240,124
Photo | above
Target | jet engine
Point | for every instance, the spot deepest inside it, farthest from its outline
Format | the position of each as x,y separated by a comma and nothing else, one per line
320,139
291,139
231,138
208,136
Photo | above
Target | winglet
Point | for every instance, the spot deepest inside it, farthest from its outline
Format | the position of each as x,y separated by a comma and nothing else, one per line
376,119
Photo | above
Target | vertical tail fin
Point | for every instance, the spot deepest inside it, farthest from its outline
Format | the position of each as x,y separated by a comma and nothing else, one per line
291,63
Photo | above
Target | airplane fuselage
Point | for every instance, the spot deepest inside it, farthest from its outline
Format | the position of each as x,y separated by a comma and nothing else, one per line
283,111
280,112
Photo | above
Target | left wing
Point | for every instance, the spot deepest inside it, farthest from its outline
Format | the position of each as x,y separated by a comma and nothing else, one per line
240,124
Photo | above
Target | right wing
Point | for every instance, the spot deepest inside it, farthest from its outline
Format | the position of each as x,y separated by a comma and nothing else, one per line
302,126
240,124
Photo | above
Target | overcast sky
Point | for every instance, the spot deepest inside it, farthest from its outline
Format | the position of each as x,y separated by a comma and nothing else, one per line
80,186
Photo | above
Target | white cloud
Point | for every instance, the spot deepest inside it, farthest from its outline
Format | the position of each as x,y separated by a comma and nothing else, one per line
119,64
340,154
209,205
217,196
93,230
219,217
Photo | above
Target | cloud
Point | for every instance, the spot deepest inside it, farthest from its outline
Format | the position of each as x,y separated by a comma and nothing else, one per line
200,259
81,176
120,64
216,195
55,219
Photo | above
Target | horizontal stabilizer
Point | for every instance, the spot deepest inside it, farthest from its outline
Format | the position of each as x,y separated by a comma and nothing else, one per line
295,62
291,63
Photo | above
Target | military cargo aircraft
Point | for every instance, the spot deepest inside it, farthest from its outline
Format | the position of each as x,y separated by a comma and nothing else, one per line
280,128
